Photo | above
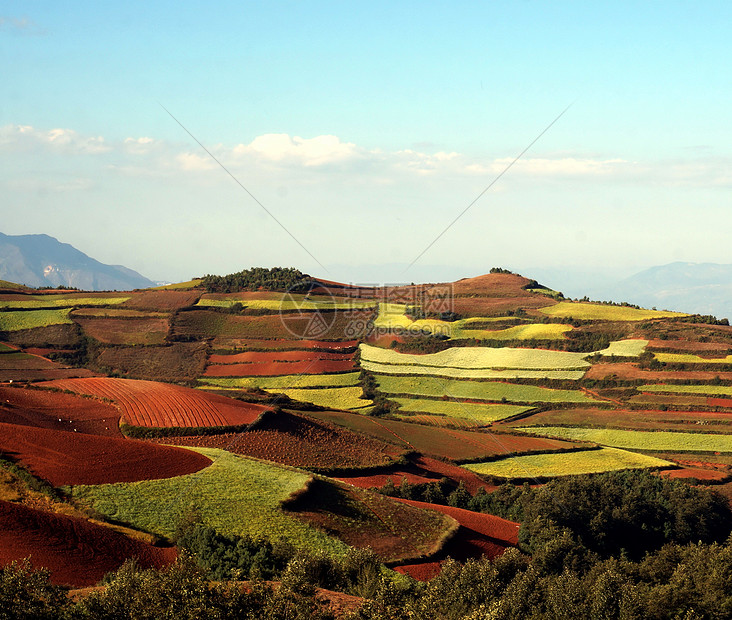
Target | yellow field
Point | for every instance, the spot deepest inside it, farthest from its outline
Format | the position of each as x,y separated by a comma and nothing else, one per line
566,464
625,348
600,312
688,358
481,357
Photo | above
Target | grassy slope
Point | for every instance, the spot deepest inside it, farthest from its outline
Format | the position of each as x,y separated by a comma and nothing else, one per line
234,494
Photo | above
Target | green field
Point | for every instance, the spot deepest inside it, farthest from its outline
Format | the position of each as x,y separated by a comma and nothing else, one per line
60,301
478,413
601,312
349,379
712,390
288,303
566,464
30,319
5,348
688,358
335,398
468,373
235,495
652,441
481,358
625,348
478,390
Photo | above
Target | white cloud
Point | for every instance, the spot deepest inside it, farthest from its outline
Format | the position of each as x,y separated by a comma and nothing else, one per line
190,162
318,151
66,140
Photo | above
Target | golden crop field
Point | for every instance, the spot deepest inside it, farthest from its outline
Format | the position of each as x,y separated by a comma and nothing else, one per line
652,441
602,312
566,464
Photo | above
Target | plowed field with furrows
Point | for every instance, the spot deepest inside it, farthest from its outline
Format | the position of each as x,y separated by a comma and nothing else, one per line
76,552
265,357
147,403
272,369
64,457
58,411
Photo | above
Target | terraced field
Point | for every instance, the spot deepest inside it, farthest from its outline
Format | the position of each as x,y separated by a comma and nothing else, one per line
152,404
689,358
625,348
455,445
478,390
30,319
469,373
603,312
478,414
711,390
349,379
58,301
335,398
654,441
538,466
481,358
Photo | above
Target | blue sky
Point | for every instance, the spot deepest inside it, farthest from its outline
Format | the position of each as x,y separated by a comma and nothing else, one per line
366,128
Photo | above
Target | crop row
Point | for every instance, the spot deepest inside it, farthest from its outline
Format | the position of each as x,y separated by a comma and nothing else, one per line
478,390
533,466
722,390
479,414
60,301
468,373
654,441
285,382
481,358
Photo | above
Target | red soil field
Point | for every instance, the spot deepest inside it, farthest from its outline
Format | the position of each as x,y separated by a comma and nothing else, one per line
49,374
441,442
129,331
63,457
162,300
706,475
45,352
301,442
479,535
309,367
689,346
494,285
147,403
630,371
421,470
264,357
77,553
497,306
58,411
258,343
719,402
23,361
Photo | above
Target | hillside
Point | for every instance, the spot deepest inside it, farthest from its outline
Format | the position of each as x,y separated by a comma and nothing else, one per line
41,261
338,417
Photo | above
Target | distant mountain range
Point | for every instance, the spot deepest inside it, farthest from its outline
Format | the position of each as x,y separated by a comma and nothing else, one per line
699,288
42,261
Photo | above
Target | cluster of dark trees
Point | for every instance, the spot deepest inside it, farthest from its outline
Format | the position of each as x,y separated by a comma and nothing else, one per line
618,545
258,278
